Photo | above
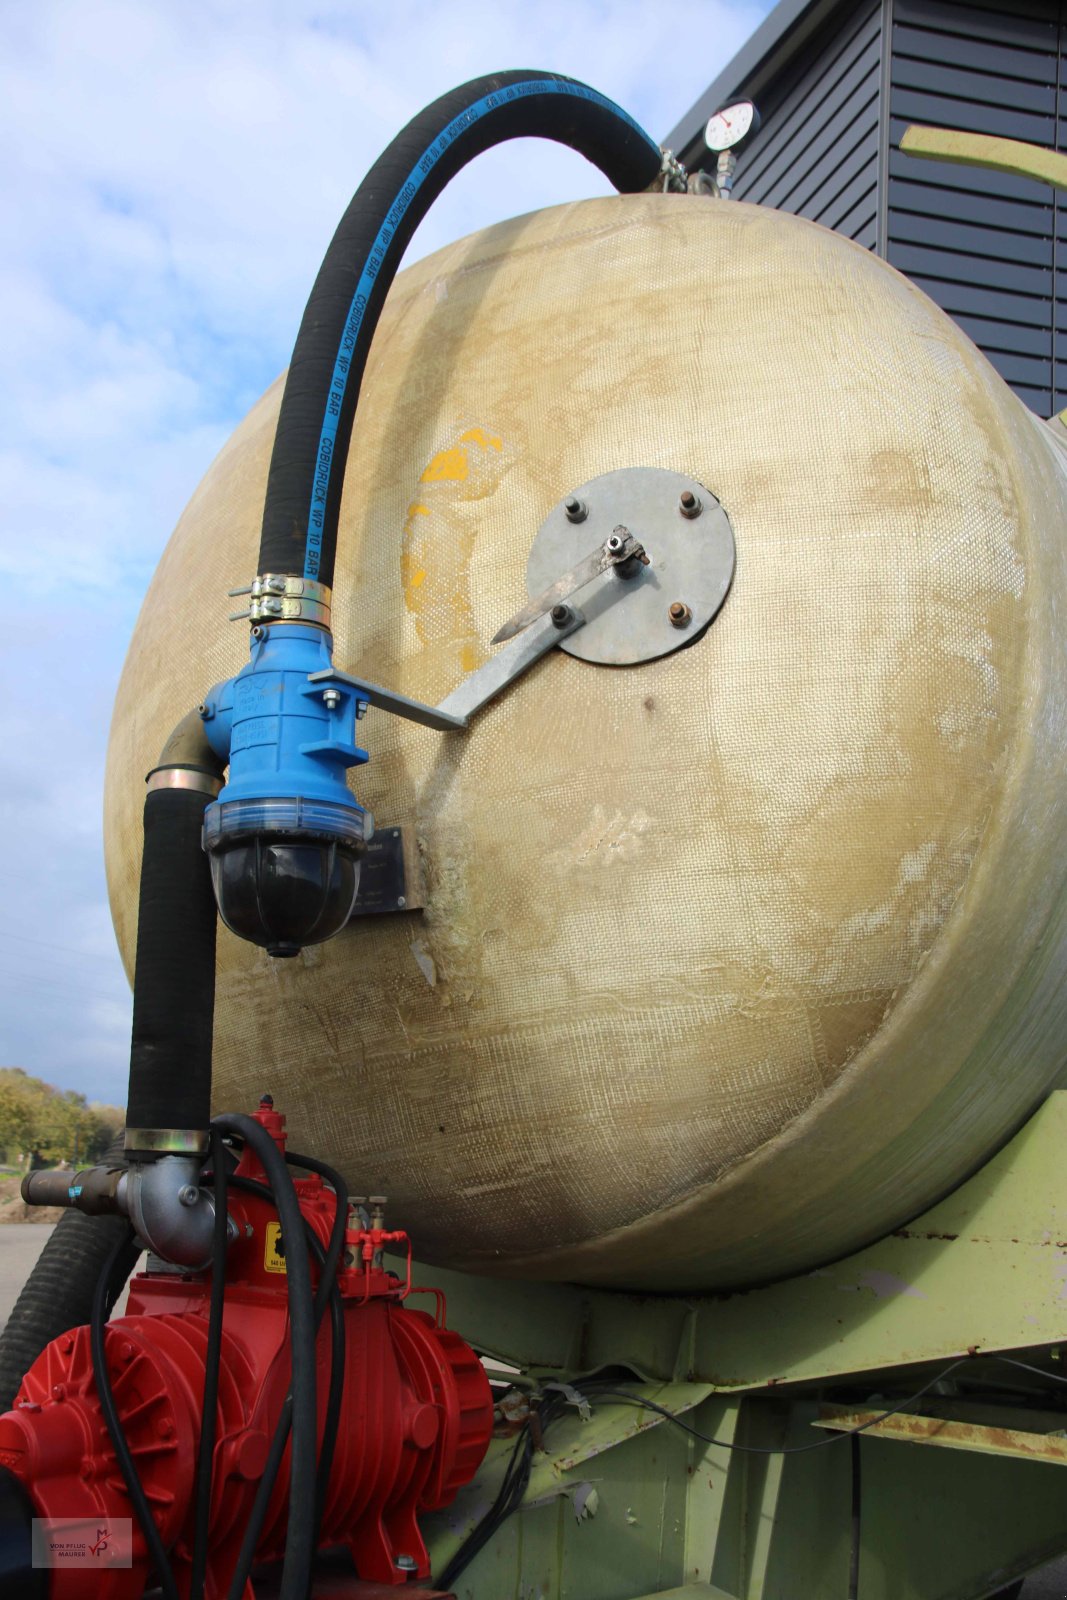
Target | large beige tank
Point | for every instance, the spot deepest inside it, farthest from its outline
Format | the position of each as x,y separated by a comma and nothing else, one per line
733,960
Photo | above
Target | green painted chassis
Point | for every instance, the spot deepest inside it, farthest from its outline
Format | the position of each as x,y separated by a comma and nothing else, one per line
958,1498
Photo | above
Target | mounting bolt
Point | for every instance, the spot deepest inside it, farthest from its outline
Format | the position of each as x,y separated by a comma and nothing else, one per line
202,709
680,614
576,509
331,699
406,1563
561,615
257,632
689,504
188,1194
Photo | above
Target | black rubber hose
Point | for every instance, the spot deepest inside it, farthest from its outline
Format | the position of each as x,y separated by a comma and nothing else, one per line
174,977
337,1321
205,1450
300,1537
265,1488
58,1294
97,1329
19,1578
303,498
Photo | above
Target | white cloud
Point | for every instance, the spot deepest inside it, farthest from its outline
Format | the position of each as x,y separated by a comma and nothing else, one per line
173,173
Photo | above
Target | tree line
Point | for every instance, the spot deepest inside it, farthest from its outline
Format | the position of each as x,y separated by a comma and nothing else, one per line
41,1125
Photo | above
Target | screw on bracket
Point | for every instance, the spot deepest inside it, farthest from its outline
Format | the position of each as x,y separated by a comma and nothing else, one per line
561,615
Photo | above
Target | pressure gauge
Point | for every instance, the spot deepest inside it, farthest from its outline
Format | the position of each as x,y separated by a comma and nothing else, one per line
728,127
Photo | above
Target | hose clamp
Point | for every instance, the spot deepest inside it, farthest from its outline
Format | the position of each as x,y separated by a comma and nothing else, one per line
169,1141
274,597
184,778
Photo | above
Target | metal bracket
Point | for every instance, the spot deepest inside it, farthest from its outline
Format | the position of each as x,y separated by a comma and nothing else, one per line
483,685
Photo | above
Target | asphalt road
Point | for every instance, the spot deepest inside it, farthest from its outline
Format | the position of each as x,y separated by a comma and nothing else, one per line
21,1243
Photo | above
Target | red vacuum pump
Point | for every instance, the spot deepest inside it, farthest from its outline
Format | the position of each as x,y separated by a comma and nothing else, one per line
414,1423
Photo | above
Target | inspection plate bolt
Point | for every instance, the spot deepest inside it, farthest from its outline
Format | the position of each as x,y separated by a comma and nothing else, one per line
406,1563
331,699
680,614
576,509
188,1194
689,504
561,615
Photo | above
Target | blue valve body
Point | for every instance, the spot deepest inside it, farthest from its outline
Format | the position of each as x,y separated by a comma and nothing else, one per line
284,742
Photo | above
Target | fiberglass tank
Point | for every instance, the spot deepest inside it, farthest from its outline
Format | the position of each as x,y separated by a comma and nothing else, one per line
731,960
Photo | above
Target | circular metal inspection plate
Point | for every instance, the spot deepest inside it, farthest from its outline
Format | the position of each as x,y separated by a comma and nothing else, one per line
691,562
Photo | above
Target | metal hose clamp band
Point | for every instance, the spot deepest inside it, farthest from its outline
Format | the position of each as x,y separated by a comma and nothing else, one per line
183,778
274,597
169,1141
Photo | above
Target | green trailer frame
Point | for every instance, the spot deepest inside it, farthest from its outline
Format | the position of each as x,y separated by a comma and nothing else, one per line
956,1496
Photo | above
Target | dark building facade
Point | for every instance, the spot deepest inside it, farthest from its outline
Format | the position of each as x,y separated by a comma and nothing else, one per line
837,84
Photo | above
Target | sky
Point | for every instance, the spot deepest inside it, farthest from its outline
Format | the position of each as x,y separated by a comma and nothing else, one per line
171,172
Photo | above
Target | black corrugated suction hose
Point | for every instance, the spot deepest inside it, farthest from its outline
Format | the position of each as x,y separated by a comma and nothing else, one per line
174,981
318,406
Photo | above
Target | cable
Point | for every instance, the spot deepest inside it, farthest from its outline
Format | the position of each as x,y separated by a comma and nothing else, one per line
785,1450
127,1465
509,1496
205,1455
327,1288
337,1321
300,1533
1026,1366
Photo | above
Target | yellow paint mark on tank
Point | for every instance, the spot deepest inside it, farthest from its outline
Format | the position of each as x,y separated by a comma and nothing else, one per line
478,436
439,536
446,464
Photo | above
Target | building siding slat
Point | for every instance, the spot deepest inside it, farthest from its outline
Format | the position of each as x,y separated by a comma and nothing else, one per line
998,244
915,105
1017,27
1012,60
947,267
983,88
969,205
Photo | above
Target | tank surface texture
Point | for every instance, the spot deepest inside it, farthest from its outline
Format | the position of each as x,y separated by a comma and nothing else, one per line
732,961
